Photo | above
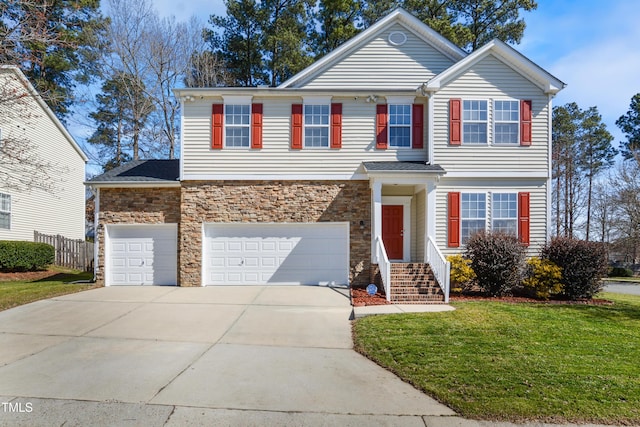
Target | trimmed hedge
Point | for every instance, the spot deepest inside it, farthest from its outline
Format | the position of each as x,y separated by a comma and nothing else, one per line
497,260
620,272
25,256
583,265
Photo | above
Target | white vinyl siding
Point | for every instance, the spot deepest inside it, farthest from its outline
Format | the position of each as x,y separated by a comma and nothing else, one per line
277,157
491,79
5,211
537,214
381,64
61,211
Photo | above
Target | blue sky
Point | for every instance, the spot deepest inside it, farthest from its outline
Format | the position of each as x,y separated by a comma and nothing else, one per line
592,45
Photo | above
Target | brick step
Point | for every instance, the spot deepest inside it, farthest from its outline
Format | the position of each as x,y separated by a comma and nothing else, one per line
415,291
413,285
417,299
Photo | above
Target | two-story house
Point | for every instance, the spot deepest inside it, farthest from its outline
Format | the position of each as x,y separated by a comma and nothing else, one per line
42,185
391,150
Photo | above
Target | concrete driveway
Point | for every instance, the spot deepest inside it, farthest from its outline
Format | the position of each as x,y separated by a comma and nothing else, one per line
170,356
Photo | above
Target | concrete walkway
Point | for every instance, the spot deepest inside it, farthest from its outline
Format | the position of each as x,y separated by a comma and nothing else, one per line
162,356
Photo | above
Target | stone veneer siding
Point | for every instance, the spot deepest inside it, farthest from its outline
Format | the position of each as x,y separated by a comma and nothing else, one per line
135,206
274,201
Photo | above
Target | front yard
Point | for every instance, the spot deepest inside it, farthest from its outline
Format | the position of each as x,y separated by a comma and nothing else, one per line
516,362
22,288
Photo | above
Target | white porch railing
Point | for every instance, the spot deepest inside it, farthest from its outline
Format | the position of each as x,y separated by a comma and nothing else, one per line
385,267
439,265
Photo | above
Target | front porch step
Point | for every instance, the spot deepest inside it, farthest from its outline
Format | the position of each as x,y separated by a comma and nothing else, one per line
414,283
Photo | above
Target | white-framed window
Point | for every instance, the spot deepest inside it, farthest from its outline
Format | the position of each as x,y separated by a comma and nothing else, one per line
399,125
504,213
506,122
237,122
316,125
473,214
5,211
474,121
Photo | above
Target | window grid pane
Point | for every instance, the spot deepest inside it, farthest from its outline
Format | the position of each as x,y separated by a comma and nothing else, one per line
474,212
237,124
399,125
507,118
5,211
474,114
316,126
504,212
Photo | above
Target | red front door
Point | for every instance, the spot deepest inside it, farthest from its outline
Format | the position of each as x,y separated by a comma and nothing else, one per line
392,230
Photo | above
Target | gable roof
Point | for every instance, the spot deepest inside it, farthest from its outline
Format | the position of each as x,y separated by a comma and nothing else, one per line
137,172
398,16
34,93
508,55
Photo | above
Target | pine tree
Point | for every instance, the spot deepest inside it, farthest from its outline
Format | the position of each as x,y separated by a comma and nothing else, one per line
336,22
629,123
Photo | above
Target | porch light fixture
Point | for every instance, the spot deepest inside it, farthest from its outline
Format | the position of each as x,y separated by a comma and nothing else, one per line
361,225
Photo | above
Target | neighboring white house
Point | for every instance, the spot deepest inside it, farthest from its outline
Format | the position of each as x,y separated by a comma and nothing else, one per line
397,145
26,120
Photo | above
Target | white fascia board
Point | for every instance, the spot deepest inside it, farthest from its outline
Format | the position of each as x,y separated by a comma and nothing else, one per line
220,93
400,99
275,177
133,184
502,174
507,54
399,15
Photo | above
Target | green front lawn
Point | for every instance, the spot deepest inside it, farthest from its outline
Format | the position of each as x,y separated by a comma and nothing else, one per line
17,292
499,361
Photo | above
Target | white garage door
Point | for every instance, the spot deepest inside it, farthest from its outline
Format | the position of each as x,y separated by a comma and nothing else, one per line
141,254
283,254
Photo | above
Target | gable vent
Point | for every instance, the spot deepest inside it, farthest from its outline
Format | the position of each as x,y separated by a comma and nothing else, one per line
397,38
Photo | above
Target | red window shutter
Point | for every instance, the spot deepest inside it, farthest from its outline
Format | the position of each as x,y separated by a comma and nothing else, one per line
336,125
256,125
417,137
217,121
296,126
381,127
523,218
453,229
525,122
455,121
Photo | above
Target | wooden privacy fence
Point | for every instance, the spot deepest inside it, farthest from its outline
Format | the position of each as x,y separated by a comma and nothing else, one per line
76,254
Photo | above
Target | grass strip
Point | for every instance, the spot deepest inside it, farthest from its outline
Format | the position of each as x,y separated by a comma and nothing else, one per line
517,362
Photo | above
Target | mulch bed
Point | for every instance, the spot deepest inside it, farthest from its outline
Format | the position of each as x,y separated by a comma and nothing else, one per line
360,298
27,276
519,300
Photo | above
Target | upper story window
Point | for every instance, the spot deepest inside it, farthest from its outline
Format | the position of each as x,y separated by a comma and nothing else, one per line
504,213
237,121
400,125
511,122
5,211
474,117
506,122
316,126
474,214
